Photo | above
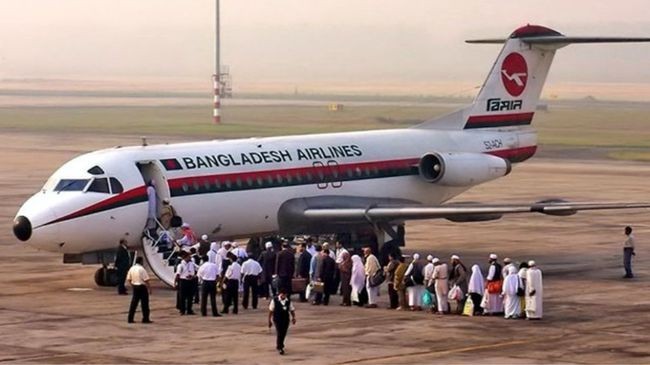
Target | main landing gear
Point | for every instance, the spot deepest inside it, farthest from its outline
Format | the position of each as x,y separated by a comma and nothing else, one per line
106,276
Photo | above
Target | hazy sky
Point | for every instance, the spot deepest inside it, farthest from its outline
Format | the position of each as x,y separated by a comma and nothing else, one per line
296,41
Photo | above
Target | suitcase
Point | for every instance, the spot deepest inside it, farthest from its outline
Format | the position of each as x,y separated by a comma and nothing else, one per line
298,285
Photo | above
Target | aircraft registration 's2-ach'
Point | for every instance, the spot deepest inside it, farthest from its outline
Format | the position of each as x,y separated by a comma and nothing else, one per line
323,183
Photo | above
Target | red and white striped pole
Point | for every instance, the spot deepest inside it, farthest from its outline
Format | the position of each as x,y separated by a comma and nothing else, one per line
216,113
216,79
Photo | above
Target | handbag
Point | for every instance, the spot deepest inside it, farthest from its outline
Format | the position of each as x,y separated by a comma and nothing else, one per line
376,279
494,287
468,310
427,299
408,282
521,292
318,287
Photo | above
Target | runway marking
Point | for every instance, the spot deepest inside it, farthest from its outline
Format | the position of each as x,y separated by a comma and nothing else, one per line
443,352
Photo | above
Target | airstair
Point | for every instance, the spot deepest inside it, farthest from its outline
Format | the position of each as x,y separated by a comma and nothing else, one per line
160,255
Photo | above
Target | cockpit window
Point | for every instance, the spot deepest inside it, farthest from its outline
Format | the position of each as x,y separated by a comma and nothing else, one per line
99,185
116,187
71,185
96,170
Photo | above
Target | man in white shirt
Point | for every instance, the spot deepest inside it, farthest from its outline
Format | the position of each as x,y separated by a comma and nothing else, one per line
250,271
223,251
240,252
232,278
138,278
185,272
208,273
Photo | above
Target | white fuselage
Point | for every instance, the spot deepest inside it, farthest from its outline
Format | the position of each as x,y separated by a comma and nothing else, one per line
236,187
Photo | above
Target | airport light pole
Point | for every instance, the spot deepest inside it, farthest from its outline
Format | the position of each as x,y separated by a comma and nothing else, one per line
216,78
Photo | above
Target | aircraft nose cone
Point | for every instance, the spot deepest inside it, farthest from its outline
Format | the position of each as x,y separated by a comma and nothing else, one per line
22,228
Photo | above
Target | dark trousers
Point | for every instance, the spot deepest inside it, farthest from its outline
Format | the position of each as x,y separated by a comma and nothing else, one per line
140,294
121,278
324,297
392,295
266,287
281,327
195,282
232,296
186,288
346,290
476,300
627,261
209,289
284,282
250,287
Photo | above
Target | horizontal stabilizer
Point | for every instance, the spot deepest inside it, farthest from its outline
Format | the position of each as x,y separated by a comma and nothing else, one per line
560,39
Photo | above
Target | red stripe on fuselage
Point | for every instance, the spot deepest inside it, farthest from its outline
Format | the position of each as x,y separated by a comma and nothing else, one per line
515,154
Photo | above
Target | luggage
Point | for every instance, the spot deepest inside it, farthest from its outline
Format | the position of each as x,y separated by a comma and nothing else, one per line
455,293
318,287
377,279
468,310
298,285
494,287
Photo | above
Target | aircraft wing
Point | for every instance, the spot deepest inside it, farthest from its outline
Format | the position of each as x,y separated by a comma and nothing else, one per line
470,212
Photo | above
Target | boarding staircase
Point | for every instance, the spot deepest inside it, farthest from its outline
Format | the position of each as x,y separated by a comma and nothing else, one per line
160,254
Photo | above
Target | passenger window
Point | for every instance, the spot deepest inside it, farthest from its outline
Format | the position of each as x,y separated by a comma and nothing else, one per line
71,185
99,185
116,186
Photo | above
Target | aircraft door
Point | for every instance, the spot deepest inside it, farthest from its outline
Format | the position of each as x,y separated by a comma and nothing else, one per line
152,172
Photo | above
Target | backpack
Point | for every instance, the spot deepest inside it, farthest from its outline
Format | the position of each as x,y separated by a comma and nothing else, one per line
416,274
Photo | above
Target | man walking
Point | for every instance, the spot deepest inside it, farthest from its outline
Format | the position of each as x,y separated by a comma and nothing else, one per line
286,265
139,280
628,252
279,310
208,273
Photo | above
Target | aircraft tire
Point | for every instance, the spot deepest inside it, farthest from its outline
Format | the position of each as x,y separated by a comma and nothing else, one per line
100,276
111,277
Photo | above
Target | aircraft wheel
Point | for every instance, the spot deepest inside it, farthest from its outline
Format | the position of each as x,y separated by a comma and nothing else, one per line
100,276
111,277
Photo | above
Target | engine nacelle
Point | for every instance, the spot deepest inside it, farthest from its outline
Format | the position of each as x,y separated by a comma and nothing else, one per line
462,169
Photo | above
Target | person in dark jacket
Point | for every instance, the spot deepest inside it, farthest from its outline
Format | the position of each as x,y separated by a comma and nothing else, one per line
122,265
325,274
303,267
286,262
267,260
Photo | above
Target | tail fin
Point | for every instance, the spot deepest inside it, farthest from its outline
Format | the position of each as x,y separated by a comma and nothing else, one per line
512,89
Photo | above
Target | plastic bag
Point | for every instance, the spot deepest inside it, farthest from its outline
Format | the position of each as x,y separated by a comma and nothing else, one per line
427,299
468,310
456,293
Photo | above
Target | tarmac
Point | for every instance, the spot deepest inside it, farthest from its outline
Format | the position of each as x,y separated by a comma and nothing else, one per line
54,313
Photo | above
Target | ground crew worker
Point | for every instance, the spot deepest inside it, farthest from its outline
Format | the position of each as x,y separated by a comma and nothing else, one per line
139,280
279,310
232,278
208,273
185,272
122,264
250,271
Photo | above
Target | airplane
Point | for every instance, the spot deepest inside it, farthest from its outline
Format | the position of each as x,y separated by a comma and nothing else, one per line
310,184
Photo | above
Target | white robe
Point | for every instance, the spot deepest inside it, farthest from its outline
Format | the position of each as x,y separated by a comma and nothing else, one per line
512,306
358,279
414,292
493,302
440,275
476,282
534,308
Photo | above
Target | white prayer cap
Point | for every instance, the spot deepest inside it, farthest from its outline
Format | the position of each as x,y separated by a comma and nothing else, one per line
531,263
507,260
204,237
493,256
225,243
429,258
455,257
268,244
435,260
416,256
185,225
325,245
214,246
235,244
